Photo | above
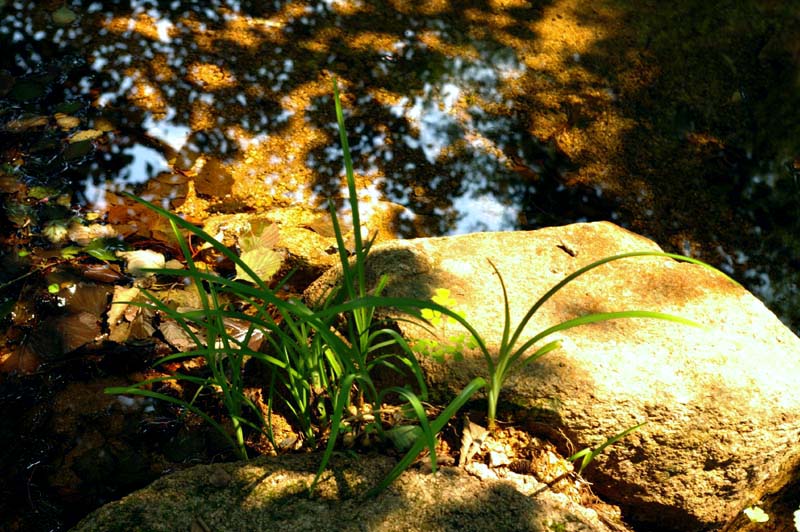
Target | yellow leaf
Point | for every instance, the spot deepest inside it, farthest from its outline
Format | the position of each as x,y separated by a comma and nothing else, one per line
142,259
86,134
261,236
66,122
264,262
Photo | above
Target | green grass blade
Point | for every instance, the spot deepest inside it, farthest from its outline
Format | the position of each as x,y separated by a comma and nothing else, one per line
408,359
436,426
344,258
411,307
342,399
590,454
599,317
551,346
428,435
132,390
351,189
558,286
506,311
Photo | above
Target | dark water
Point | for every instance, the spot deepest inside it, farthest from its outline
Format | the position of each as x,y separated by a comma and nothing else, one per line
478,116
439,117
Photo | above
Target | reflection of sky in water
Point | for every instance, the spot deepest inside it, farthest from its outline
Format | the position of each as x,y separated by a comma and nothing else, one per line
483,212
432,115
435,138
146,162
438,123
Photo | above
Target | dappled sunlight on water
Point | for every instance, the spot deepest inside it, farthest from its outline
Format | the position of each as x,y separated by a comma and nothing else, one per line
251,90
672,120
486,116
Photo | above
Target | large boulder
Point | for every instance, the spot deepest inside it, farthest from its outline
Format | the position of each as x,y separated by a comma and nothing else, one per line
722,403
270,494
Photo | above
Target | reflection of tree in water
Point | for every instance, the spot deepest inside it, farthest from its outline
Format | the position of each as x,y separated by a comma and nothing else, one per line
707,102
147,63
769,193
141,72
214,72
719,135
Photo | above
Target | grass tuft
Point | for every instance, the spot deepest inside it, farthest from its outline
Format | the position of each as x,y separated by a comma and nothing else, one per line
320,372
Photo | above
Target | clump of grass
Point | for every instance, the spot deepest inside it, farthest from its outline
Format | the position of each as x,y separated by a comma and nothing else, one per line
513,353
324,371
316,365
224,354
368,343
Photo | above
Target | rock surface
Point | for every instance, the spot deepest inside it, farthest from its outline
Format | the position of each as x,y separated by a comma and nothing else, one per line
270,494
721,403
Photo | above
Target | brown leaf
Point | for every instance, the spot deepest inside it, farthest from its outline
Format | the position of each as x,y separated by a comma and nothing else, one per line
88,297
77,330
176,336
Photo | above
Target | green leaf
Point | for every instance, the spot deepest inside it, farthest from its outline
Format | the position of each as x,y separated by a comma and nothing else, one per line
6,306
105,248
40,192
68,107
77,149
70,252
25,90
20,214
64,16
404,436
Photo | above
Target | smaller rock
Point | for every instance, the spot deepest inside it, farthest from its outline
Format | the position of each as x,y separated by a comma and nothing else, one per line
270,493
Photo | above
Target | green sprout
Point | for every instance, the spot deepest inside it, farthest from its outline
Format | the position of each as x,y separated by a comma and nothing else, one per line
513,354
588,454
455,345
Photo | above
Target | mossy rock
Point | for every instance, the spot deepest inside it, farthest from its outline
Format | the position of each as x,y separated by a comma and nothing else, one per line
270,493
